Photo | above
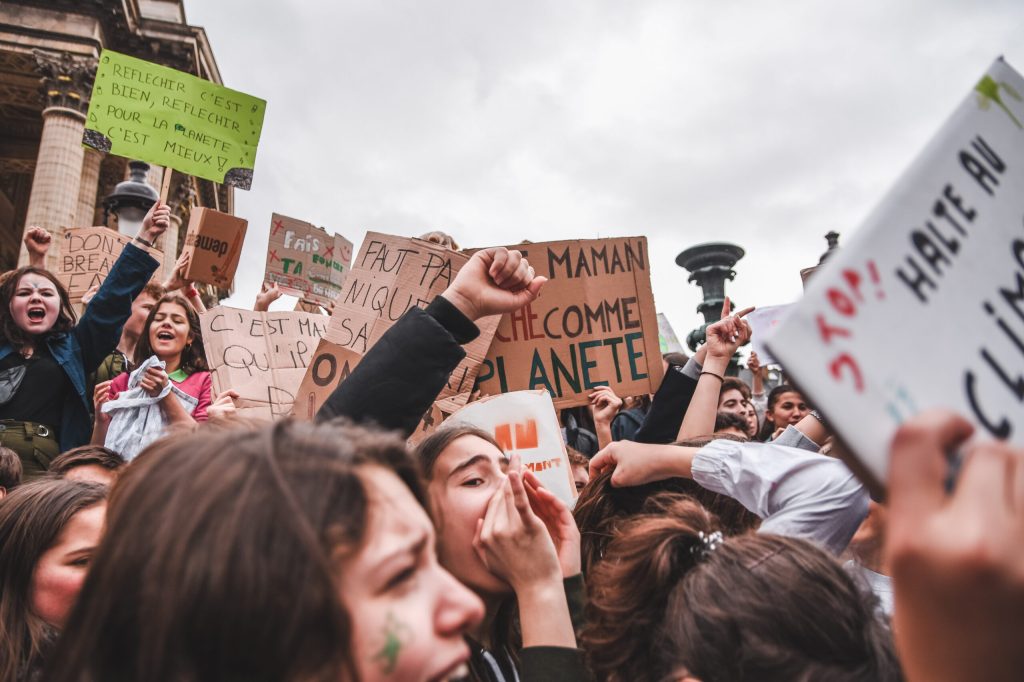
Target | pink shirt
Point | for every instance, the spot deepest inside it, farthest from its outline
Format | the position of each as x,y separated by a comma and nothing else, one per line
197,385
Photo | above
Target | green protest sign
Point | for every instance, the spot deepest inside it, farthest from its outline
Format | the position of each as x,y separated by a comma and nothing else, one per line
170,118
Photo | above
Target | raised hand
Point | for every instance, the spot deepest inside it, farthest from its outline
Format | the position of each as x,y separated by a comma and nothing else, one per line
177,279
494,281
37,242
754,364
728,334
156,222
266,296
604,404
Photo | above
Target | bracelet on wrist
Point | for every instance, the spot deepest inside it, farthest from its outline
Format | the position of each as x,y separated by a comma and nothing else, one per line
816,415
712,374
139,238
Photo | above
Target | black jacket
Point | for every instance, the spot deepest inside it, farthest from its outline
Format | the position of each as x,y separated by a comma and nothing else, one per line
671,400
392,387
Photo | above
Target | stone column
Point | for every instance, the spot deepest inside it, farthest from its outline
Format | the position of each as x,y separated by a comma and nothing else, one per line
54,201
89,187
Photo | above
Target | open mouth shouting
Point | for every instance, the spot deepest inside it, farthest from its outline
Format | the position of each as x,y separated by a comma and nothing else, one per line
36,313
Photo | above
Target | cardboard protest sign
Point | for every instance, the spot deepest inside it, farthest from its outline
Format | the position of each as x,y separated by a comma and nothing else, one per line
763,323
171,118
525,423
305,261
924,307
593,325
88,253
215,241
390,275
263,356
668,342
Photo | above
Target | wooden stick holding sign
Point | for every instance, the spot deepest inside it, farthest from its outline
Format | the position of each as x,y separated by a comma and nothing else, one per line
165,185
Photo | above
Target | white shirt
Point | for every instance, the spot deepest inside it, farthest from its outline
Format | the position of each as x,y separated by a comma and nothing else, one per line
796,493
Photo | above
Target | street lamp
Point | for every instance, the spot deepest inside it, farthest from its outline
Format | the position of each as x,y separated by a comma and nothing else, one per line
131,200
710,265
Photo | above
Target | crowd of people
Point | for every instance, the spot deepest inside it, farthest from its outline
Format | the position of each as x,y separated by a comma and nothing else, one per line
147,532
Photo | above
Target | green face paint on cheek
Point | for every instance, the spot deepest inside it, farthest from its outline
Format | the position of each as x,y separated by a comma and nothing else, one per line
396,636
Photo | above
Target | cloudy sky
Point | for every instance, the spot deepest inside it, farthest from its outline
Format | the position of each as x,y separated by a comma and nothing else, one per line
761,124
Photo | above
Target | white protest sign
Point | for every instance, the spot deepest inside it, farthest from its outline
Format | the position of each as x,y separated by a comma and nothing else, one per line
924,307
525,423
667,339
763,323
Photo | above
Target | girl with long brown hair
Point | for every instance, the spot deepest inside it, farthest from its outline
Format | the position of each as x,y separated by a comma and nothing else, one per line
287,552
48,531
45,355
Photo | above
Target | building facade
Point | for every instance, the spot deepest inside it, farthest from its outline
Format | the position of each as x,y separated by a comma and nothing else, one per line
48,57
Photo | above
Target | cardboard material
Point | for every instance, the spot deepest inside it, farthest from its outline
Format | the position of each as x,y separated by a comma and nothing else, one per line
88,253
171,118
924,306
525,423
390,275
215,241
305,261
263,356
594,324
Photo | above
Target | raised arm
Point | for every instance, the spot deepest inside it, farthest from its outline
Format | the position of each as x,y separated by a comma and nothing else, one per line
99,330
37,243
398,379
796,493
723,338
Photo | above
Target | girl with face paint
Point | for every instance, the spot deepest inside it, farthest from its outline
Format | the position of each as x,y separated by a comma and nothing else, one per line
293,552
499,532
45,356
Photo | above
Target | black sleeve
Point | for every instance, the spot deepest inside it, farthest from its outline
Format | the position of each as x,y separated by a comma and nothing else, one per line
661,425
399,378
554,663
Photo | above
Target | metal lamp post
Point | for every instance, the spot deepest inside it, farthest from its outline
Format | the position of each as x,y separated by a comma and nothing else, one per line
130,200
710,265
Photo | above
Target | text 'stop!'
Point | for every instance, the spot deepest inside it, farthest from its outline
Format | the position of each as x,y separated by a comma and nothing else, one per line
170,118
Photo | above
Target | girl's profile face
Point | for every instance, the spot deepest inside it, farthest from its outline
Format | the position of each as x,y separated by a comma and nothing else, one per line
61,569
169,332
409,614
35,304
465,477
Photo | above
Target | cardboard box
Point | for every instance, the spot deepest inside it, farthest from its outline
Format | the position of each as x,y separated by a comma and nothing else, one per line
215,241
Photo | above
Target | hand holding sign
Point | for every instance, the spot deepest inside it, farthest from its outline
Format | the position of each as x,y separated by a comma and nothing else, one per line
156,222
956,557
492,282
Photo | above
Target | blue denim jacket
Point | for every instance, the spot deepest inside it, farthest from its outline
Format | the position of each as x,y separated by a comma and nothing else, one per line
81,350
